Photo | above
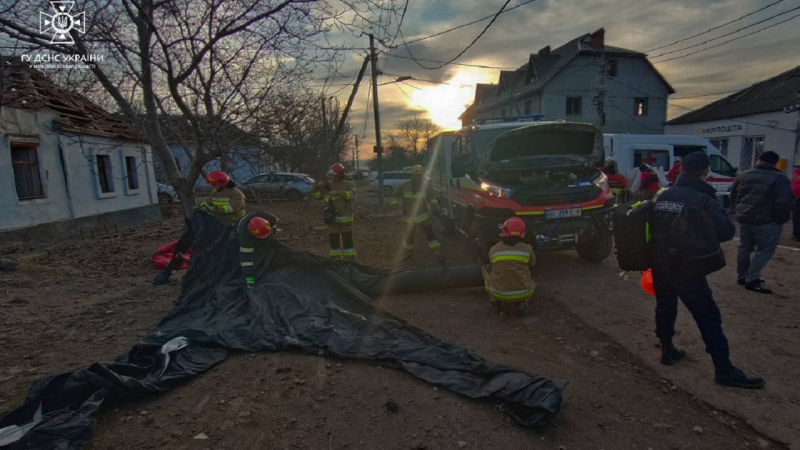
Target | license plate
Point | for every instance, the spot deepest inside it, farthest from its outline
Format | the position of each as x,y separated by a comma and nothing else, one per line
562,213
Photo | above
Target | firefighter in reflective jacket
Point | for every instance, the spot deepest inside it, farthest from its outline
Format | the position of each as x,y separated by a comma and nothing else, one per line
339,194
255,233
508,278
226,203
416,196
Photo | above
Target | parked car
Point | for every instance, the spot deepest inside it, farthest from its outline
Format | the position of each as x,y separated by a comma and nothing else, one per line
166,194
291,186
390,181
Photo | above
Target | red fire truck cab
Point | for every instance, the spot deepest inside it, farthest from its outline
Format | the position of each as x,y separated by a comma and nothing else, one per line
545,172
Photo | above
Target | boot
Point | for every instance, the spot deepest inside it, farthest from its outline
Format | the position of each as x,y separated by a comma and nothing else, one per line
162,278
442,259
520,308
733,377
669,354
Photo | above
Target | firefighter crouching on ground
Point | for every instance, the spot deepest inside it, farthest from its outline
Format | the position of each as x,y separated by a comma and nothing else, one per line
255,233
339,194
226,203
508,278
416,196
671,282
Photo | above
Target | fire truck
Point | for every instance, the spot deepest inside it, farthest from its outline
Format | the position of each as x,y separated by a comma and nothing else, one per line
545,172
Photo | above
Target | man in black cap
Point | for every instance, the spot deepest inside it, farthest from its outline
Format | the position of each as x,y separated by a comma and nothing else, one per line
671,281
762,201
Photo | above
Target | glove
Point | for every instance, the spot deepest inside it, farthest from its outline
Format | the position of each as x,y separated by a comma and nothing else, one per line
202,207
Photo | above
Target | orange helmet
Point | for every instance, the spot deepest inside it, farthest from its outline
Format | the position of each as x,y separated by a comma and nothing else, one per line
218,178
259,227
647,282
513,227
338,169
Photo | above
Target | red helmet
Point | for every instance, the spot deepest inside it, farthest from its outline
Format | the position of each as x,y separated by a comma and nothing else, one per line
218,178
259,227
513,227
338,169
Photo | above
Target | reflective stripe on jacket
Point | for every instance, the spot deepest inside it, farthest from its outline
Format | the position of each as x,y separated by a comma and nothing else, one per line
510,276
340,194
227,205
415,202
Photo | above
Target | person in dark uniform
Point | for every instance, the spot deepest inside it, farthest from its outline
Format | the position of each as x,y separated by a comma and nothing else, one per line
254,232
671,282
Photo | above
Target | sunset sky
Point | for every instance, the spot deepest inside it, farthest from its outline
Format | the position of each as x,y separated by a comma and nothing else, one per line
638,25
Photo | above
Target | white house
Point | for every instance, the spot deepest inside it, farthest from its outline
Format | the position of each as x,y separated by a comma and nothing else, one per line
764,116
565,83
68,165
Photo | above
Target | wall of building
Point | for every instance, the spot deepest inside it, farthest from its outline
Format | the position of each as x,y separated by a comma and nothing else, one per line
68,173
778,129
634,79
84,182
25,125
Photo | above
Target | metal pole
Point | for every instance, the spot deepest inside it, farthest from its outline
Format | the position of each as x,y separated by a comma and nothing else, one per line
378,145
355,155
601,90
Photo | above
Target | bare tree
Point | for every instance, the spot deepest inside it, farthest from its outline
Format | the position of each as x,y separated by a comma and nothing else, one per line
414,133
215,63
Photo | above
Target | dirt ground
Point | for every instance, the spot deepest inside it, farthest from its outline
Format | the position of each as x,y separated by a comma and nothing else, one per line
89,301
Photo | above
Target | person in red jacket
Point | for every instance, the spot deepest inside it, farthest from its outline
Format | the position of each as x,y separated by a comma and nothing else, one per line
616,182
675,172
649,185
796,211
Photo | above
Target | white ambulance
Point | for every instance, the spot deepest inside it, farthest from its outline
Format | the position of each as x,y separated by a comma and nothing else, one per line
662,151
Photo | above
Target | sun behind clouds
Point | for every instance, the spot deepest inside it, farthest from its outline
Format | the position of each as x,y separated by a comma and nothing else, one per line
445,102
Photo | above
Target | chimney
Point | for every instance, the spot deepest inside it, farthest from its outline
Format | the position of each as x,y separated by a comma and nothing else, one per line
598,38
545,51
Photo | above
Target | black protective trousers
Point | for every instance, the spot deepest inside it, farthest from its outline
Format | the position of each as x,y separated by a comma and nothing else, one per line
696,295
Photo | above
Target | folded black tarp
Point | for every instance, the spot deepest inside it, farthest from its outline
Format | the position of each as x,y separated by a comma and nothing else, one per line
302,302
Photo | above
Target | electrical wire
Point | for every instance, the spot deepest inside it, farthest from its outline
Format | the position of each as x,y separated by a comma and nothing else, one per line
474,41
729,40
726,34
480,66
715,28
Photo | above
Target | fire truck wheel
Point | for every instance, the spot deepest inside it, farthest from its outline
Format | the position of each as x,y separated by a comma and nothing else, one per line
597,250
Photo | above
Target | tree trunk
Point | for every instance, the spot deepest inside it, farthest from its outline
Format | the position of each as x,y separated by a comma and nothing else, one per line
188,199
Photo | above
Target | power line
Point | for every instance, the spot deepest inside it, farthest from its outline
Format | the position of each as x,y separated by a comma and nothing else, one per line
480,35
633,118
480,66
726,35
729,40
737,68
491,16
715,28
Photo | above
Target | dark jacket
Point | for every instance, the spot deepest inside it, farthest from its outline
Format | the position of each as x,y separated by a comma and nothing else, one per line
669,203
761,196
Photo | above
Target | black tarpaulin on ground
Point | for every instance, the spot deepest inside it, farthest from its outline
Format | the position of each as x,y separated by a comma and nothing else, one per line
302,302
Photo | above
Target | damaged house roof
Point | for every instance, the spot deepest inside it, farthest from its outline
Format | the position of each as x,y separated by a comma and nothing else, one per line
26,88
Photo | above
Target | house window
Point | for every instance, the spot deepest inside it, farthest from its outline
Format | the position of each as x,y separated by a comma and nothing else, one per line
528,105
104,174
720,144
25,160
132,173
640,106
753,148
611,68
574,106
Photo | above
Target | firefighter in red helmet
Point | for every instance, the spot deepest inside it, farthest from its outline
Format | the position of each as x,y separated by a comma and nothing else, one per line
418,202
255,232
508,278
226,203
338,195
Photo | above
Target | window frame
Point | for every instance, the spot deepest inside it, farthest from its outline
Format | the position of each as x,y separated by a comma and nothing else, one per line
754,154
612,67
644,104
107,175
571,102
131,174
35,166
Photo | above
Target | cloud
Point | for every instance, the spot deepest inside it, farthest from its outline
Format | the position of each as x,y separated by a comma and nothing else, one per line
639,25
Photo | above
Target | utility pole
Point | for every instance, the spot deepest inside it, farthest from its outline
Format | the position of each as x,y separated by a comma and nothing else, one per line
378,145
601,90
325,142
